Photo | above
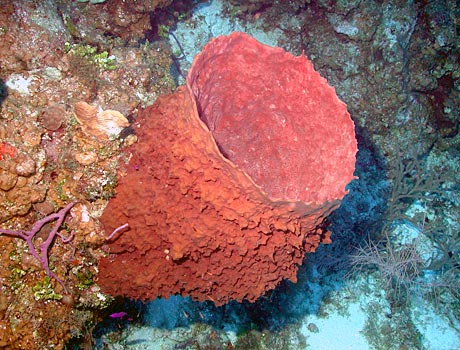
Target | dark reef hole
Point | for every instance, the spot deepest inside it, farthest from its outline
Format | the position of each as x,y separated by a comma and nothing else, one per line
163,21
166,18
3,92
438,96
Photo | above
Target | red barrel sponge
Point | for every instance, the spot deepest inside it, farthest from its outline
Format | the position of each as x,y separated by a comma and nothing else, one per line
232,178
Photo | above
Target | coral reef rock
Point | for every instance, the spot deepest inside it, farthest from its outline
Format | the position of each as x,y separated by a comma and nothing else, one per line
232,178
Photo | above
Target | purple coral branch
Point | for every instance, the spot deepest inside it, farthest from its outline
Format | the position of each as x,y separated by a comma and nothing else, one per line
28,236
118,229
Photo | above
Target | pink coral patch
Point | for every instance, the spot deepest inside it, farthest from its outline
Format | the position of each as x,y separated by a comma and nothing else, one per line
7,149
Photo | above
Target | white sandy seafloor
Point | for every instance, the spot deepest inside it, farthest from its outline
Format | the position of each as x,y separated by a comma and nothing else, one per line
340,315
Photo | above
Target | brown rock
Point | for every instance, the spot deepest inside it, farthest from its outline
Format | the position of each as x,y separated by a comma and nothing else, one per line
26,166
7,180
53,117
86,158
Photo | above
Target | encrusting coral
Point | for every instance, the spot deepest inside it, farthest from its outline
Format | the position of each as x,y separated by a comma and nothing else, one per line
101,124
